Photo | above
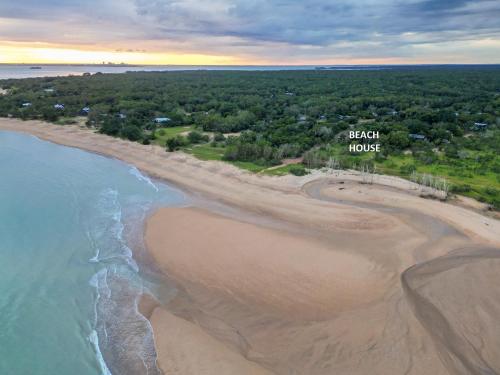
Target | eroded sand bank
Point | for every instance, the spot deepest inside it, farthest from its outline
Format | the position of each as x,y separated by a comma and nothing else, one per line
359,279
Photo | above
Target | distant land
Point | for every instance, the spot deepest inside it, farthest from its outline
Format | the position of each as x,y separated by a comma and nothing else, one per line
8,71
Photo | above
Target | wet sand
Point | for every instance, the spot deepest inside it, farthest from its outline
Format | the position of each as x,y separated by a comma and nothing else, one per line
352,279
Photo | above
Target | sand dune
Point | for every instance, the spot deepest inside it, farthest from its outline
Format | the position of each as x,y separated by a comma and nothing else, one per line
312,275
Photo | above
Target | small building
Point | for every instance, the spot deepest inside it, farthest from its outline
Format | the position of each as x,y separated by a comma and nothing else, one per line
85,111
121,116
420,137
289,93
161,120
27,104
86,74
302,118
480,126
322,117
59,106
49,90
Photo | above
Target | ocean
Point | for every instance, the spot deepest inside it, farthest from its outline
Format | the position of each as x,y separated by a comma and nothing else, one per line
8,71
24,71
71,227
18,71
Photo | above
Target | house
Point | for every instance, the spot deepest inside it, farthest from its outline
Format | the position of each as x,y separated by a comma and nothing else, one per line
420,137
59,106
161,120
27,104
480,126
85,111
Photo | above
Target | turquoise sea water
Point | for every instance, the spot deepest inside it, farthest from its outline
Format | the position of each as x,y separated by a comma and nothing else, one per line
69,223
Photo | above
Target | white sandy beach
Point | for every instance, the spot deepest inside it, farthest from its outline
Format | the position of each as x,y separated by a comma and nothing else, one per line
352,279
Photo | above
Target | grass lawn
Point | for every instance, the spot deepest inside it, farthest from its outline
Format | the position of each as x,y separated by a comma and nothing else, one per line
280,171
207,152
70,120
170,133
249,166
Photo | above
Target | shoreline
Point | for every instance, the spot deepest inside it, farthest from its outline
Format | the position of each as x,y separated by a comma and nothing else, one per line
270,300
279,197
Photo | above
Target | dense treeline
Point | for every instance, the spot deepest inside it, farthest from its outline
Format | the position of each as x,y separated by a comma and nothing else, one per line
430,114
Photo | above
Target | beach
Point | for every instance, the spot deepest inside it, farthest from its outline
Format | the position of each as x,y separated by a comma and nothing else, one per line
318,274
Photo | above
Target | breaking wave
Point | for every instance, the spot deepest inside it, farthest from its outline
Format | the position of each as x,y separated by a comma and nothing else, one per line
121,335
135,172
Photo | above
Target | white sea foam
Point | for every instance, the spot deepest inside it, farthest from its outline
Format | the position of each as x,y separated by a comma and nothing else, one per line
112,244
118,284
135,172
95,258
94,339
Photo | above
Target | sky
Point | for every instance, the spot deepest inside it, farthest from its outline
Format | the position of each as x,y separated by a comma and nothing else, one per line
250,32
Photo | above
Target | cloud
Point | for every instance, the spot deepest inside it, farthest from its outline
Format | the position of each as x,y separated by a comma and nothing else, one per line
301,29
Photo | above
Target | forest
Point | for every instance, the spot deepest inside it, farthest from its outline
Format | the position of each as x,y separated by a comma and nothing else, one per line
444,121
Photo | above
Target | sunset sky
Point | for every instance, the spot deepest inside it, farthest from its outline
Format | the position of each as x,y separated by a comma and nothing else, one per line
250,31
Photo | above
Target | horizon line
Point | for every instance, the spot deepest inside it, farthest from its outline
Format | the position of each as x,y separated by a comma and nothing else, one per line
234,65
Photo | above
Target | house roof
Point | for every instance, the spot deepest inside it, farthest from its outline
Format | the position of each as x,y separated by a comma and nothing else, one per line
162,119
417,136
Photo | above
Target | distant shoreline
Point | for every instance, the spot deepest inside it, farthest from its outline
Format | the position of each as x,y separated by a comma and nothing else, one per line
249,65
21,71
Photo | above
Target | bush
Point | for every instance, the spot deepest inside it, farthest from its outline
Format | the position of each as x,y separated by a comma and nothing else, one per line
315,158
132,133
492,191
298,170
219,137
176,143
496,203
407,169
259,153
50,115
197,137
461,188
111,127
